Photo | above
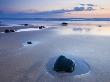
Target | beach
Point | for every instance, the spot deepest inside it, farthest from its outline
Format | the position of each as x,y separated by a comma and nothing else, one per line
22,62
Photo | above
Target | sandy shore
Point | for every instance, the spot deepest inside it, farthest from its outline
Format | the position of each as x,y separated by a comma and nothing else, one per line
21,62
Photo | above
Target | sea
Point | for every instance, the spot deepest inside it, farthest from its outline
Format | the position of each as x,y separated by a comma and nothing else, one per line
57,21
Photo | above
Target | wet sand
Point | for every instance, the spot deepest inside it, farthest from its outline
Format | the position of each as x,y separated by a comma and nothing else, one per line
22,62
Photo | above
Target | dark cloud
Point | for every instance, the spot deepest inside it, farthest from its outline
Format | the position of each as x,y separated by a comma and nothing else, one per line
82,4
85,7
79,8
90,5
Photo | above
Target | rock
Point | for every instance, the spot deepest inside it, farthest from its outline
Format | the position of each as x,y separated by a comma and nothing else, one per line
26,24
41,27
63,64
7,31
12,30
29,42
64,24
99,26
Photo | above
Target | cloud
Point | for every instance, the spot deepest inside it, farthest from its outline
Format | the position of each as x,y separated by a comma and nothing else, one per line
90,5
82,4
79,8
52,13
90,9
85,7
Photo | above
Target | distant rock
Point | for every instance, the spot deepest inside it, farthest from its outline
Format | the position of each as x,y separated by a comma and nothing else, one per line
99,26
25,24
8,31
64,24
29,42
64,64
41,27
12,30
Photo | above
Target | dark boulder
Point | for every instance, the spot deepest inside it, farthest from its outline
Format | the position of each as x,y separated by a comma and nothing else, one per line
41,27
29,42
64,24
7,31
12,30
64,64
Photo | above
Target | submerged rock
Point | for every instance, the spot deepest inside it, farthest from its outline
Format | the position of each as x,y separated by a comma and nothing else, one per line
64,64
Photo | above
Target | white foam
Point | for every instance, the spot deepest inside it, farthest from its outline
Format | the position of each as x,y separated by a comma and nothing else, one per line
28,29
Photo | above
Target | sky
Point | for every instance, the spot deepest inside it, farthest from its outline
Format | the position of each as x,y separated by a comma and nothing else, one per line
70,8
